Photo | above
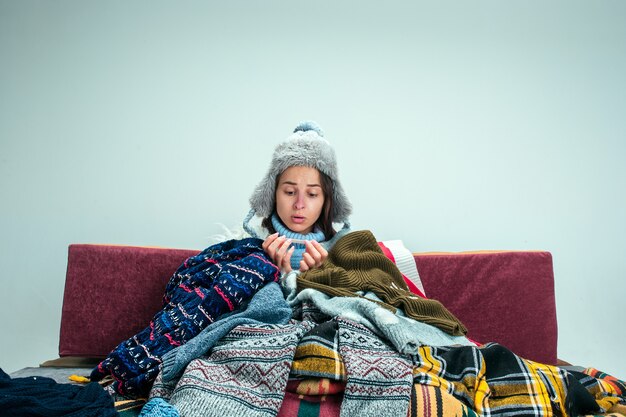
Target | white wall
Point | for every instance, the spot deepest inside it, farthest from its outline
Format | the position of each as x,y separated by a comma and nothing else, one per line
458,126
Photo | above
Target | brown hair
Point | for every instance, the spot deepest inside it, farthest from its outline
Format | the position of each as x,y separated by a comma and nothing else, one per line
324,221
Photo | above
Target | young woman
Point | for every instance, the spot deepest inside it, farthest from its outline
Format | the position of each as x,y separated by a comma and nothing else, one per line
299,199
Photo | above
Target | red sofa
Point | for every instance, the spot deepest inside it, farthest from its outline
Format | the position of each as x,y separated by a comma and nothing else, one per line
111,292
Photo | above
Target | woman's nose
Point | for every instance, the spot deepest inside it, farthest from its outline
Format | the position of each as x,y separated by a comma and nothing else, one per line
299,203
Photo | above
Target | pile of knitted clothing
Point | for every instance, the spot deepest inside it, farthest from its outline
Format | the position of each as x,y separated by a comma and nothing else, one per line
337,357
342,340
205,287
274,370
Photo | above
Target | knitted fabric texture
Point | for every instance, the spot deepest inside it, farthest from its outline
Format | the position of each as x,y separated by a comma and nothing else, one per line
158,407
356,263
206,286
379,378
245,374
404,333
266,307
41,396
299,248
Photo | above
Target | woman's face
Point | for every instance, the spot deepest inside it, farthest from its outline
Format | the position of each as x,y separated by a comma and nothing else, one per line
299,198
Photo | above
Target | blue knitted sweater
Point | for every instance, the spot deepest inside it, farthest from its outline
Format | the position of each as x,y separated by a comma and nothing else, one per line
206,286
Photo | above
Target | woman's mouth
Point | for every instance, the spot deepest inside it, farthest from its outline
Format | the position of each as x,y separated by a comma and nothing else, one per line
298,219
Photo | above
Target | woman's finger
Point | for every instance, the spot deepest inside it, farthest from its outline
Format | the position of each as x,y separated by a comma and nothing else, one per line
314,253
281,250
308,260
275,245
320,249
303,266
286,262
268,241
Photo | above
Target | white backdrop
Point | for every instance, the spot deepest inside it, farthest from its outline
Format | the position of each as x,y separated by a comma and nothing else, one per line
458,126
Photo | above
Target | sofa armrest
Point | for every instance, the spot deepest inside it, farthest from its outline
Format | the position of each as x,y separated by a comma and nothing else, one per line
500,296
111,293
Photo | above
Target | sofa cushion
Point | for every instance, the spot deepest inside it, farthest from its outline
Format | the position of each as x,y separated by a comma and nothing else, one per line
111,293
500,296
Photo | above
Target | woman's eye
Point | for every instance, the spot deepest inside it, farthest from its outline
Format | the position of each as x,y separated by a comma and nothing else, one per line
289,192
312,195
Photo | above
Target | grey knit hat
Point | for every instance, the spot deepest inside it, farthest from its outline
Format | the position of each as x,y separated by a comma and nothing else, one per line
305,147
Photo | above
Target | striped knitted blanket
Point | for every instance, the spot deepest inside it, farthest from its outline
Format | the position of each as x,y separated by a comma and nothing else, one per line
205,287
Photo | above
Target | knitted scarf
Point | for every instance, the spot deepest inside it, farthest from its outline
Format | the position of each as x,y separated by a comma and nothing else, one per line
299,248
357,264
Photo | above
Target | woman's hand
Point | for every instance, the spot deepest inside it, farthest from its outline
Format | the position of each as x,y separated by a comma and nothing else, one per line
279,250
314,255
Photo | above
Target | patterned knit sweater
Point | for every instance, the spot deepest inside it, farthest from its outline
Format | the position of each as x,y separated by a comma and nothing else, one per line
247,373
206,286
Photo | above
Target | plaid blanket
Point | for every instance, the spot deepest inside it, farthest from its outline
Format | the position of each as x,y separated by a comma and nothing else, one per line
429,401
599,379
317,354
493,381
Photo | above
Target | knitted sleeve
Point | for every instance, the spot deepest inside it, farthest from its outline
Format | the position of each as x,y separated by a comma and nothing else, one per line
203,268
238,280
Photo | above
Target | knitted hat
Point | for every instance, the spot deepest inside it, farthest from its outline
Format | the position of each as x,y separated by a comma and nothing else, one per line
305,147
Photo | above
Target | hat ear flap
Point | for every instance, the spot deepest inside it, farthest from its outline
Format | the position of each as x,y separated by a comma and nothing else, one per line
246,224
263,198
341,205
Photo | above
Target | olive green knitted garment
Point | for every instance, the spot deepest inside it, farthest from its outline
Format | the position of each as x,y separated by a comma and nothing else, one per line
356,263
